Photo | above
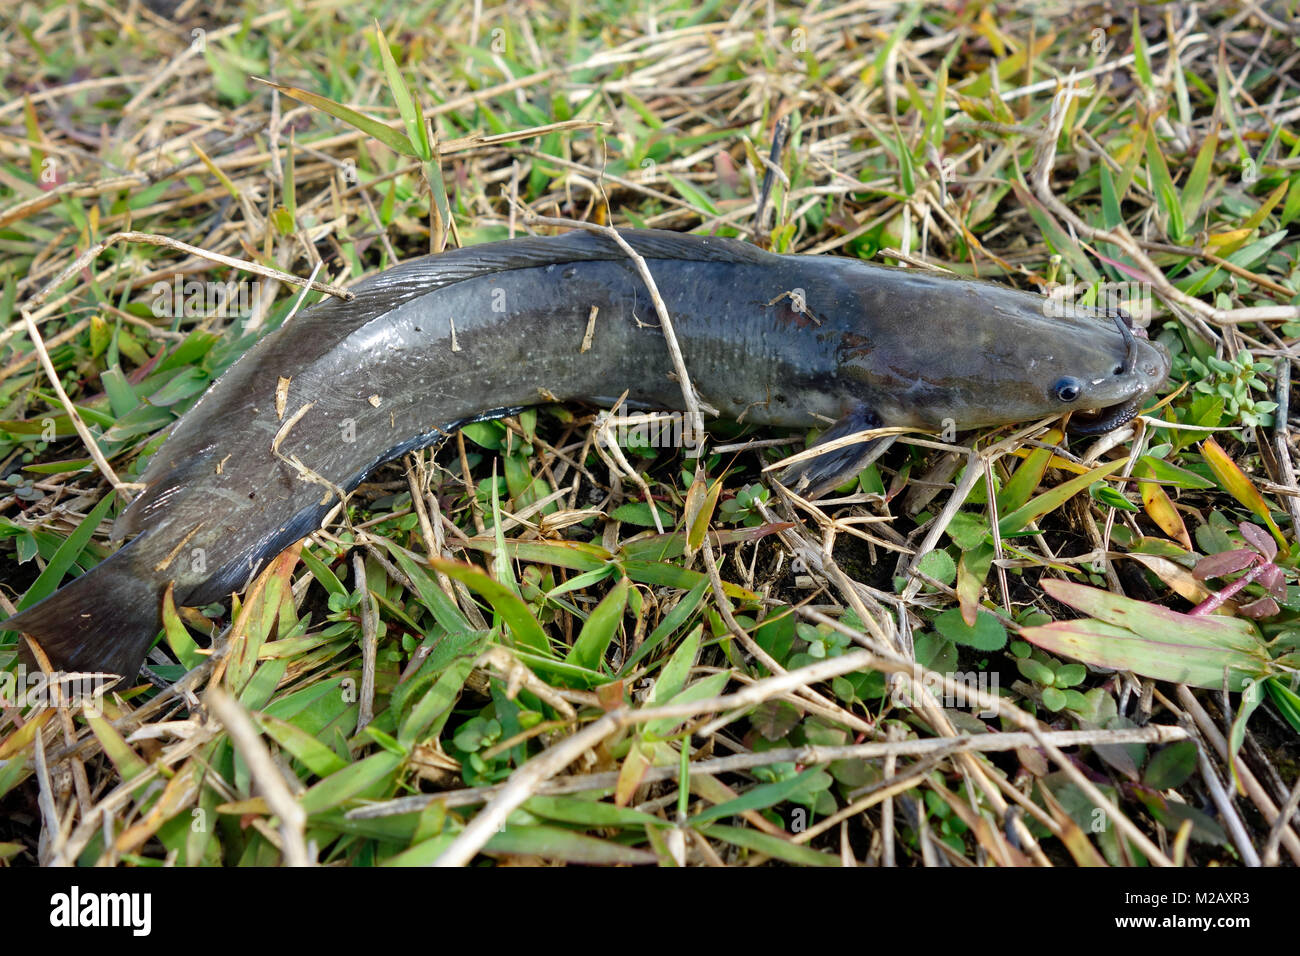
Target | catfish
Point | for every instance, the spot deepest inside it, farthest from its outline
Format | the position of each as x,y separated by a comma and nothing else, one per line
477,333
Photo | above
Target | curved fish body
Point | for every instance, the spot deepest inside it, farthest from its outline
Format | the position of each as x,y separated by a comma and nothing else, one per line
477,333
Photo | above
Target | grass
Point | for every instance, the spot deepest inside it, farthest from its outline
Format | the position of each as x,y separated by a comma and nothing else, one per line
499,654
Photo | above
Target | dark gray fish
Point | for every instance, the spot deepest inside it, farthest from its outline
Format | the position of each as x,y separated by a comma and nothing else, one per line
476,333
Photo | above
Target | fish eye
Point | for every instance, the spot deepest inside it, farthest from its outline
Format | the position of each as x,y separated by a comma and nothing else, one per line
1067,390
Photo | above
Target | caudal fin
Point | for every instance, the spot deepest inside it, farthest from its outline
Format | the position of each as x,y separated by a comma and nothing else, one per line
103,621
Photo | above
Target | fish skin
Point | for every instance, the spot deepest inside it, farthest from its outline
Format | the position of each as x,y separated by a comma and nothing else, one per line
787,340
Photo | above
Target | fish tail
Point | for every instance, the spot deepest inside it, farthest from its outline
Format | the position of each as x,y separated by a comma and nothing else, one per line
103,621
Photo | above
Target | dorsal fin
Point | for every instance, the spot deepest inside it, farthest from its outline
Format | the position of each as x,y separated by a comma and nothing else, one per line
418,277
458,265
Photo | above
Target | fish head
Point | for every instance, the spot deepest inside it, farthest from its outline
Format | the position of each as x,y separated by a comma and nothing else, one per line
974,354
1110,401
1095,365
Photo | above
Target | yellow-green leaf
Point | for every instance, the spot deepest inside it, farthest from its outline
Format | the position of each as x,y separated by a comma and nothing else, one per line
1160,623
699,512
1160,507
128,763
1177,661
371,127
1234,481
1022,484
517,615
1049,501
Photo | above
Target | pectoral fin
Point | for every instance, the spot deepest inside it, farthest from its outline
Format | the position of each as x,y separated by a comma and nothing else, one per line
816,476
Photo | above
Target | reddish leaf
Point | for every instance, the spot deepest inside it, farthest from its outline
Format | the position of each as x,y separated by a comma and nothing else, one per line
1225,562
1271,577
1264,607
1258,538
1155,622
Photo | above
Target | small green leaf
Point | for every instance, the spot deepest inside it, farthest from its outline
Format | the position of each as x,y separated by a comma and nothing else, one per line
317,757
559,844
1110,497
1026,478
593,813
638,513
766,795
1171,766
673,677
672,622
1054,699
600,628
128,763
407,107
434,708
1199,177
1142,60
938,565
1036,671
703,688
968,530
1069,675
352,780
988,634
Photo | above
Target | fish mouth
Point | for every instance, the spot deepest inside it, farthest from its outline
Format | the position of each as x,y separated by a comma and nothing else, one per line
1108,419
